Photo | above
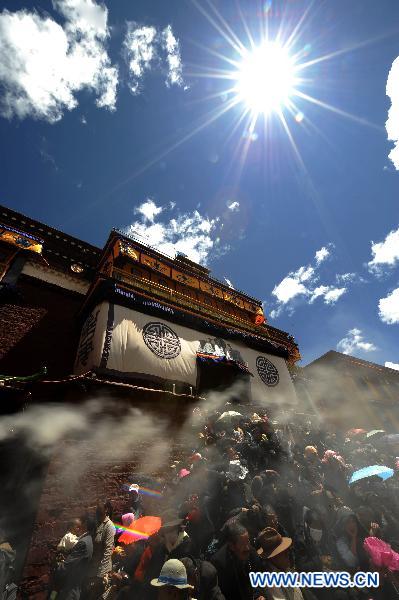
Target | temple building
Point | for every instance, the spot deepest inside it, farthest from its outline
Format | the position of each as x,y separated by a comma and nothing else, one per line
131,314
155,335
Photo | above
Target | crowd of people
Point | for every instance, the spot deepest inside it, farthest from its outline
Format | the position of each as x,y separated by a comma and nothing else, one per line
251,495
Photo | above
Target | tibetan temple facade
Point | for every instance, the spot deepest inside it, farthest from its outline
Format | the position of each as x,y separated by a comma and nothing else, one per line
128,313
143,336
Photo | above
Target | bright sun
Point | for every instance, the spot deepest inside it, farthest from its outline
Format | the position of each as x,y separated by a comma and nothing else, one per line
266,78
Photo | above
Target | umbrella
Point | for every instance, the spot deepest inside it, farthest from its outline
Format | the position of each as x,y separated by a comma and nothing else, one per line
228,419
354,432
140,530
380,470
230,414
374,432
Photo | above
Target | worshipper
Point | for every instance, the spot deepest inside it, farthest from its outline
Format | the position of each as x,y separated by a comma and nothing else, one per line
133,502
312,470
236,493
385,516
274,554
313,549
172,583
334,470
366,518
171,542
68,541
8,589
103,545
202,575
270,479
71,573
286,504
207,483
127,522
257,489
349,540
233,562
199,525
253,519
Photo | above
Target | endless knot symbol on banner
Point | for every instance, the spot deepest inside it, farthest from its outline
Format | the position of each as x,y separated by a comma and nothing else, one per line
161,340
267,371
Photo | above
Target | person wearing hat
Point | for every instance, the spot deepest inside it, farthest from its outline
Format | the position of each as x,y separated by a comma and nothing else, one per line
172,582
274,551
233,562
173,543
132,502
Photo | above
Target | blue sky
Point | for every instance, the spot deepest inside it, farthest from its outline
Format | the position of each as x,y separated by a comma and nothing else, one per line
115,115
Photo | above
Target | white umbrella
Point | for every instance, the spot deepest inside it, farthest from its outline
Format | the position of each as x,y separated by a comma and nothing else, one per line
230,415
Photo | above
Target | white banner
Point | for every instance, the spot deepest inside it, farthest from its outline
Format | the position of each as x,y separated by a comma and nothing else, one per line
127,341
145,344
271,381
92,340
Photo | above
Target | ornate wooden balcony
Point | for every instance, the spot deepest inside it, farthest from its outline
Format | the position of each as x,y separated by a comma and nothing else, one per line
171,296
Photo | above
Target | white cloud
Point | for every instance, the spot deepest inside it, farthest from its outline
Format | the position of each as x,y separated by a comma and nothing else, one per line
318,292
289,288
347,278
305,273
275,313
293,285
388,308
173,57
330,293
149,210
391,365
43,64
140,50
144,49
385,252
304,283
322,254
354,341
189,233
333,295
392,124
234,206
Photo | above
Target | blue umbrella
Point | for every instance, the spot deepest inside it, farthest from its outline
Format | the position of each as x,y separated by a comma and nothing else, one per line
380,470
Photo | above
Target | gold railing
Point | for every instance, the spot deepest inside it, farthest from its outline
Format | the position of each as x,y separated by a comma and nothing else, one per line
178,298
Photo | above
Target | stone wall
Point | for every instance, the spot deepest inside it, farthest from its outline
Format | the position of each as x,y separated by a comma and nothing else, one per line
39,326
59,502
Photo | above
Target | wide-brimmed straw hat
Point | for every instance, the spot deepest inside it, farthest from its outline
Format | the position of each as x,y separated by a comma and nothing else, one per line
174,574
272,543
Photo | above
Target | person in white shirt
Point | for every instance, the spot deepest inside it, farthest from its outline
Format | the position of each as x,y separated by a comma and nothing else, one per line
69,540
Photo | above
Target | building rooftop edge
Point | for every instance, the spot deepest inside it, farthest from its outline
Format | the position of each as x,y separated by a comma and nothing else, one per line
353,360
